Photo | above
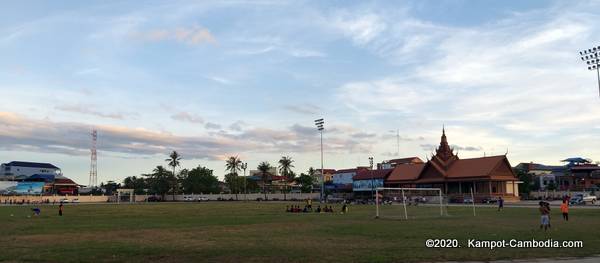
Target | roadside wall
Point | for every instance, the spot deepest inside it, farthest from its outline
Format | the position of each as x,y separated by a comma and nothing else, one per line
554,194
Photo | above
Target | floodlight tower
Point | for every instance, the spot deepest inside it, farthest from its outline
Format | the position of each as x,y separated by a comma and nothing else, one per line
93,161
591,57
319,123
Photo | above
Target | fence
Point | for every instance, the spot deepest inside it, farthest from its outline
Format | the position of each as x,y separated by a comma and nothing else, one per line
554,194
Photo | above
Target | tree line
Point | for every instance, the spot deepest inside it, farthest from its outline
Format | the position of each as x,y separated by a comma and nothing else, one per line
201,180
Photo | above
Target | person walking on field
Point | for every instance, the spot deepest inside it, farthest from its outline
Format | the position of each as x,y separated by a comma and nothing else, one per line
60,209
500,203
564,208
545,216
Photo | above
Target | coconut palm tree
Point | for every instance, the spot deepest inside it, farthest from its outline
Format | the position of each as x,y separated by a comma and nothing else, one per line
173,161
285,169
233,165
264,168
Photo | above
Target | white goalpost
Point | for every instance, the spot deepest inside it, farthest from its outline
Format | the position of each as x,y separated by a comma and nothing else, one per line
408,197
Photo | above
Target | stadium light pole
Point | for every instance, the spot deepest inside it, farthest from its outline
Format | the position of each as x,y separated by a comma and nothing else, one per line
591,57
371,172
320,127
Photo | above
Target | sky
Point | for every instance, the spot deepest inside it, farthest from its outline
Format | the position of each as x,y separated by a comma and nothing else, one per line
212,79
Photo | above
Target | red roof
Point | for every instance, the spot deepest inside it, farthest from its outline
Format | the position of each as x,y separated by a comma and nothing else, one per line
372,174
474,167
64,181
351,170
406,172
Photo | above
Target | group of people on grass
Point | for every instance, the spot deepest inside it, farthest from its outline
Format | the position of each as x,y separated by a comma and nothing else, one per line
307,209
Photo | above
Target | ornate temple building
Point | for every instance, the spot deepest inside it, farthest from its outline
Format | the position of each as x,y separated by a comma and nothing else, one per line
488,177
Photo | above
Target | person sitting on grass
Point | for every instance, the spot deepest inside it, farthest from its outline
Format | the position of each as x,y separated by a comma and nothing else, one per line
318,210
305,210
287,209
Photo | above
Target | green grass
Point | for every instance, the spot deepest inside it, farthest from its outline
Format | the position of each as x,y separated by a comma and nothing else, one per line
263,232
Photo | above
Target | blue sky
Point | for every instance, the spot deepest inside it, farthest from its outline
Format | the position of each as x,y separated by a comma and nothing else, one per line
247,78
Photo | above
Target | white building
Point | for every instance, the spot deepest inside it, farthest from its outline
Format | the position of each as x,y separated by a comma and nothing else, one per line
20,170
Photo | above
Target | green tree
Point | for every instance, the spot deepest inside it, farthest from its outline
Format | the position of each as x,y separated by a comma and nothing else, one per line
285,169
174,161
264,168
233,164
110,187
525,187
159,181
200,180
306,182
138,184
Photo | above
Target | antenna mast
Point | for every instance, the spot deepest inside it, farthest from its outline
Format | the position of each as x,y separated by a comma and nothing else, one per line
93,161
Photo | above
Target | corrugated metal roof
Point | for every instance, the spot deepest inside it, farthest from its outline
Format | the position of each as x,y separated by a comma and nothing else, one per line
32,164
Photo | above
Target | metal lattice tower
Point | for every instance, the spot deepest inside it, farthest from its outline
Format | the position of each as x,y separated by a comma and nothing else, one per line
93,162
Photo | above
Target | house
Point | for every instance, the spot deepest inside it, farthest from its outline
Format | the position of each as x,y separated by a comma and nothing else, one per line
488,177
327,176
544,176
394,162
342,180
366,181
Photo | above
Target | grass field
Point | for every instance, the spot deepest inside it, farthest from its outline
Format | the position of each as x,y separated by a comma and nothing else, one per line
263,232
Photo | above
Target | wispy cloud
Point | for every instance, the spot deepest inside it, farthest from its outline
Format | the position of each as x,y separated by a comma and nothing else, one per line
187,117
212,126
305,109
193,35
86,110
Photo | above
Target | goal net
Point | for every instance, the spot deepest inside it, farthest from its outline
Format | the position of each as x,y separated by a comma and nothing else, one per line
410,203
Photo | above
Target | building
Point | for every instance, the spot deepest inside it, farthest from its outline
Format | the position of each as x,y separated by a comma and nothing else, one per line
31,178
488,177
394,162
366,181
342,180
328,176
17,170
544,176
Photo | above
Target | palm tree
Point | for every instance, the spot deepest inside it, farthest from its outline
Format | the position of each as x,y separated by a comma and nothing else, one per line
173,161
285,169
264,168
233,165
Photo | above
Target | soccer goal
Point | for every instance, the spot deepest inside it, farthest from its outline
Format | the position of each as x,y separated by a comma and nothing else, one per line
407,203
